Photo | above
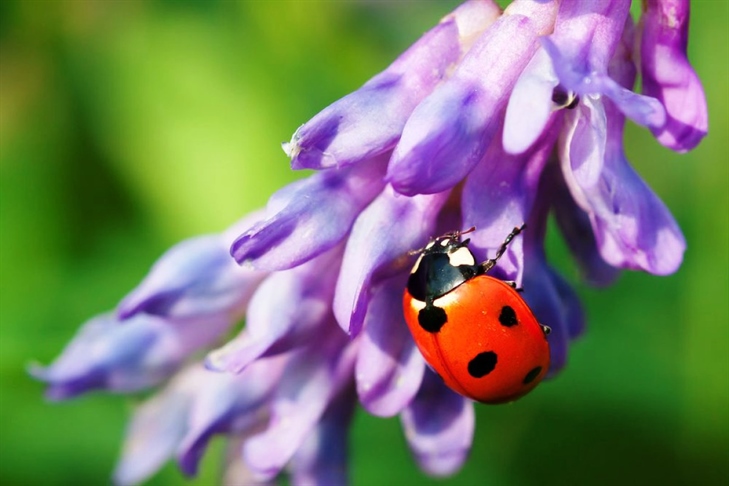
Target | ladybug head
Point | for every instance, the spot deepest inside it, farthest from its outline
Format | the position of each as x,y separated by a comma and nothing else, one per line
444,264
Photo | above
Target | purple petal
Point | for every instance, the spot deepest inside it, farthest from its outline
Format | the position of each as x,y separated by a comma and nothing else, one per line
124,357
322,458
319,213
450,130
389,367
498,196
378,247
577,230
195,278
156,428
668,75
633,228
369,121
226,403
286,309
586,35
309,382
439,426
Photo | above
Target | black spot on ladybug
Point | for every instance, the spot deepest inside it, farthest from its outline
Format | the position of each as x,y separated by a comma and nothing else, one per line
507,317
432,318
531,375
482,364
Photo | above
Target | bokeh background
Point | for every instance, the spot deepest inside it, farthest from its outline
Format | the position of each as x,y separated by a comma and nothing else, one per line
126,126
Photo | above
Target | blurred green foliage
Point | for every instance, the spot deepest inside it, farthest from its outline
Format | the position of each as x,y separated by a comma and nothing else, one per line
126,126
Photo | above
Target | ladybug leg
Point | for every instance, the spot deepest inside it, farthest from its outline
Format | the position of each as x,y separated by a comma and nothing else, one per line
512,284
546,329
489,264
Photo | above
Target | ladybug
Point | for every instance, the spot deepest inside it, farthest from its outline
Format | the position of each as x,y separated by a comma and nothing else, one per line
474,330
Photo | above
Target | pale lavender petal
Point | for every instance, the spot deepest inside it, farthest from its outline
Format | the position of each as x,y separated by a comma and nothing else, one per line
668,75
530,104
369,121
318,215
322,457
288,306
226,403
574,223
157,427
633,227
389,368
449,131
439,427
311,379
378,248
125,357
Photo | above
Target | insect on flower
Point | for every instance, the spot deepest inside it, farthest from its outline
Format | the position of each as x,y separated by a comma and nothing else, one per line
475,330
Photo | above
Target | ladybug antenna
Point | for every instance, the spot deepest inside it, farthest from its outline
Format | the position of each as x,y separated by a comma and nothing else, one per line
489,264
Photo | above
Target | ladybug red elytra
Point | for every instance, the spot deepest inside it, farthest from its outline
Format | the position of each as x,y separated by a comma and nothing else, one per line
474,330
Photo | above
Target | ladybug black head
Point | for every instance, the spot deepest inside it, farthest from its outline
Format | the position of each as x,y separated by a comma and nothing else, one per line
444,264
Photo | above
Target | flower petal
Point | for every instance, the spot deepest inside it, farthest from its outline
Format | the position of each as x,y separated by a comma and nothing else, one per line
378,247
498,196
668,75
389,367
322,457
226,403
124,357
195,278
310,380
574,223
369,121
287,308
633,227
439,427
530,104
319,213
449,131
157,427
586,35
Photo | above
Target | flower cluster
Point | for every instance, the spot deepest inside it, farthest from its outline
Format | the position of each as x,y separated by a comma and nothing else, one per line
491,119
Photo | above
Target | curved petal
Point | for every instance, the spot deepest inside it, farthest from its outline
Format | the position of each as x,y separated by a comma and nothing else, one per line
311,379
575,225
400,224
286,309
448,132
439,427
125,357
633,227
586,36
389,367
369,121
668,75
322,457
498,196
226,403
195,278
157,427
319,213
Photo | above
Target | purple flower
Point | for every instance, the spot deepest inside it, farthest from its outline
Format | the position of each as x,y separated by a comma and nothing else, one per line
490,120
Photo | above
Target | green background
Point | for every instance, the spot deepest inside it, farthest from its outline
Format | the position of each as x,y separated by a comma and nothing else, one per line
126,126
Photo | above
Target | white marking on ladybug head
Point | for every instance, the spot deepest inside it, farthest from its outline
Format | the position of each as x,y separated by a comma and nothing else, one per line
461,256
417,264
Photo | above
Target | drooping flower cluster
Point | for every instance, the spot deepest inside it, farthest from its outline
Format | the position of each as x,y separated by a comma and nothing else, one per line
491,119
